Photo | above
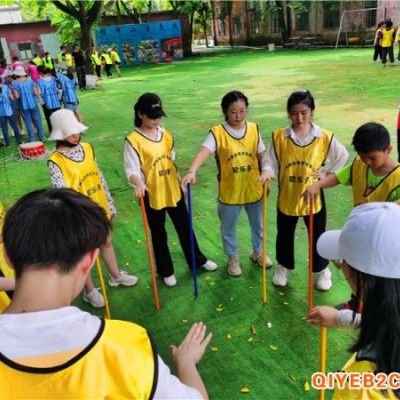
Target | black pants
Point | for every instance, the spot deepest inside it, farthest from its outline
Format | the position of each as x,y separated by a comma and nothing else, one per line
81,74
387,51
377,52
285,238
47,112
108,69
98,71
180,218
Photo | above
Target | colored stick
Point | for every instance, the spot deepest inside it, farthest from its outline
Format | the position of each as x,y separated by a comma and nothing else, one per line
153,273
322,357
310,257
196,289
103,287
398,136
265,243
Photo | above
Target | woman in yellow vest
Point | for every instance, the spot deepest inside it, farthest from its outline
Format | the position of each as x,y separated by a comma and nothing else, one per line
48,62
388,36
378,41
73,165
368,249
115,59
6,273
150,168
239,151
96,62
106,59
295,155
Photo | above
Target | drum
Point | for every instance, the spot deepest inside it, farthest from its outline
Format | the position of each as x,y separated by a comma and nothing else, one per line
32,150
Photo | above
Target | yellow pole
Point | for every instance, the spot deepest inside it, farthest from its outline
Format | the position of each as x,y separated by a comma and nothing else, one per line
103,288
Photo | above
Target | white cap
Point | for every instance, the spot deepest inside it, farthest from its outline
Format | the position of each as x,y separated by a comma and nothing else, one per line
19,71
6,73
65,124
369,240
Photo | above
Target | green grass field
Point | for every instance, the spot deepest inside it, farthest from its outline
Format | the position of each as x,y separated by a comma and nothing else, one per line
274,363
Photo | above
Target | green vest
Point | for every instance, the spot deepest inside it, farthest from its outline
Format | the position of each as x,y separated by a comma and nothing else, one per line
37,61
48,62
107,58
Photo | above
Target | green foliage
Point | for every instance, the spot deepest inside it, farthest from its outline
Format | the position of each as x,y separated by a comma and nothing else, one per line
68,28
36,10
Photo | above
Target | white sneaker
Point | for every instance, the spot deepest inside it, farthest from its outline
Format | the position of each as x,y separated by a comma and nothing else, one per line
280,276
124,279
324,281
209,266
257,257
170,281
94,298
234,266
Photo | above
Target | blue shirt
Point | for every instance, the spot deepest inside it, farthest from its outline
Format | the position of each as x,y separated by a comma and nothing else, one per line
68,89
26,94
5,104
49,92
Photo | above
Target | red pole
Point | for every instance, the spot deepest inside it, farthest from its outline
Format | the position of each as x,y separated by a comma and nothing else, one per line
153,273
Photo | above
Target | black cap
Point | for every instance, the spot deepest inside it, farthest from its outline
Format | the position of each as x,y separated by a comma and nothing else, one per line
150,104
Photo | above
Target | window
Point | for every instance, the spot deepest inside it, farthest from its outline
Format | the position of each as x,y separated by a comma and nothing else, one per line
302,17
370,16
255,22
275,22
221,28
331,14
25,51
237,26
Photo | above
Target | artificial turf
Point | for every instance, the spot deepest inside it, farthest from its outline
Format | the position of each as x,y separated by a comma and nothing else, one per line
267,348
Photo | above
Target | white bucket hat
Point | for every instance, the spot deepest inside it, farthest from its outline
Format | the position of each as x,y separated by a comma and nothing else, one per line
6,73
19,71
65,124
369,240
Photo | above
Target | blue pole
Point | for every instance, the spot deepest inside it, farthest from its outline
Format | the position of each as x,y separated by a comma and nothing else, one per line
196,290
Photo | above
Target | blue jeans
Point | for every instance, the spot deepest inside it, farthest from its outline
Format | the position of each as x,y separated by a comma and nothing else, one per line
4,128
28,116
229,215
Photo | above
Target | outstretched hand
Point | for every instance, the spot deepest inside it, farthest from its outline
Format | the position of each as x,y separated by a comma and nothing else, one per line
192,348
323,316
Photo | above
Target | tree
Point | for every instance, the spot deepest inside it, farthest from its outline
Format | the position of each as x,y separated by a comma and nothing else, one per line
226,11
87,13
203,15
282,7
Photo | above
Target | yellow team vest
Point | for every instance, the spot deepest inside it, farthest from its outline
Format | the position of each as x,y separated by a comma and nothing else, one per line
5,269
387,37
114,56
68,60
37,61
359,181
365,394
84,176
158,168
237,161
296,167
120,363
48,62
376,41
95,58
107,58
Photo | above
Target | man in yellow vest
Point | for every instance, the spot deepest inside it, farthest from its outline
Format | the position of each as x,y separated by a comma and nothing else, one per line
48,61
388,36
115,59
61,54
53,350
37,60
94,55
106,59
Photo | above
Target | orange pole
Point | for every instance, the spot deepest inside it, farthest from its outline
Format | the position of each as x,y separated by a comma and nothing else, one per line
103,288
153,273
310,257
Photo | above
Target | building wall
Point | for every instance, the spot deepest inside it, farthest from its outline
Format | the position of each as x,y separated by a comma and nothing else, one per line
355,24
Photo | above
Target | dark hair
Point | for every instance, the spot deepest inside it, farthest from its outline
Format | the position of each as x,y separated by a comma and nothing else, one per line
388,23
53,228
230,98
62,47
300,97
380,321
15,58
381,23
371,137
41,69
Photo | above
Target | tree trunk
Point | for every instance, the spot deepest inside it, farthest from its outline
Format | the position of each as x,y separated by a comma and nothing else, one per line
204,20
214,27
230,29
186,35
281,18
86,45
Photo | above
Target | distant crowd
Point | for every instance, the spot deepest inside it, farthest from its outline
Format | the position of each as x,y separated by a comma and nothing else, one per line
386,37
